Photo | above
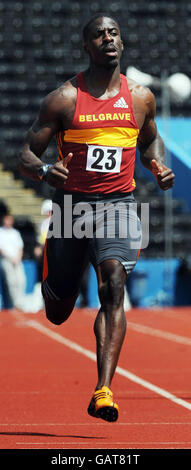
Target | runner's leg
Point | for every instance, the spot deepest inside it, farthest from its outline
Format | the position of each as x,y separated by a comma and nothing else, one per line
110,323
58,311
64,264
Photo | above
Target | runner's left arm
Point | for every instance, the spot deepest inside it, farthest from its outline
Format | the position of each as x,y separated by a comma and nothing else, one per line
151,147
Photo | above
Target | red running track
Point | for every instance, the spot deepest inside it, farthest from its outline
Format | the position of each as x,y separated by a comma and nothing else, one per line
47,382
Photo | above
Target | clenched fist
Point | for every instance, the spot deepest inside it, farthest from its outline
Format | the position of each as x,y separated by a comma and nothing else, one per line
164,175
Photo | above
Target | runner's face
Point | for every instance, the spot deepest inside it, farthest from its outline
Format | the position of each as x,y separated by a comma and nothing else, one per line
104,44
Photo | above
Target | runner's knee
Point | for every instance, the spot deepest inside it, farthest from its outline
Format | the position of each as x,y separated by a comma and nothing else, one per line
111,291
58,311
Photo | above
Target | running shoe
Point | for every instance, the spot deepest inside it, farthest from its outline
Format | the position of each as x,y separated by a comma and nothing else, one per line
102,405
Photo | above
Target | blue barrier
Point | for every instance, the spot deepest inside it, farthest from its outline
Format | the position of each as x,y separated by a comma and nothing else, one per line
30,268
1,293
149,284
146,284
147,287
178,143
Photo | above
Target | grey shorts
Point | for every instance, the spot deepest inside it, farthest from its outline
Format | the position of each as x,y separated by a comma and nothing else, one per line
88,228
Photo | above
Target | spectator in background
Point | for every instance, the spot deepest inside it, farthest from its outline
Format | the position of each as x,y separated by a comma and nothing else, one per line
3,210
12,270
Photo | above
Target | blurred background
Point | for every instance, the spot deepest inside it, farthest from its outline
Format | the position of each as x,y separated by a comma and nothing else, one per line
40,48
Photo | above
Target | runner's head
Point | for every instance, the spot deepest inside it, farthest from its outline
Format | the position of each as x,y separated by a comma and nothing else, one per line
102,41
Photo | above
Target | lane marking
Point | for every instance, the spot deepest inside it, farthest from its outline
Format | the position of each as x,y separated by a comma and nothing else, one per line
96,424
123,372
103,444
154,331
159,333
179,313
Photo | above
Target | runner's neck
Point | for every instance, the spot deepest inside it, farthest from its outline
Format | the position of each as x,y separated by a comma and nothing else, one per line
102,83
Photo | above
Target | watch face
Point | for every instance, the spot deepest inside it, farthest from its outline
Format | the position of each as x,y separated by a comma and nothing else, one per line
43,171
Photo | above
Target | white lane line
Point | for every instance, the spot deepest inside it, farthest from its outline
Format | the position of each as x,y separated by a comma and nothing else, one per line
179,313
96,424
102,442
123,372
159,333
153,331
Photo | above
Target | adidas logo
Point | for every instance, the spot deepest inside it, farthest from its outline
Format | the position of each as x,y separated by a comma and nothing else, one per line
121,103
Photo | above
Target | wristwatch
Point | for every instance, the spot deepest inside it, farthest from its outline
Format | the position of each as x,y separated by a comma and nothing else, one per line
43,170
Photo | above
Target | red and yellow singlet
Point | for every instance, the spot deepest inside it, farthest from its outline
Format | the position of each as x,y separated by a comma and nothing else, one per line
103,138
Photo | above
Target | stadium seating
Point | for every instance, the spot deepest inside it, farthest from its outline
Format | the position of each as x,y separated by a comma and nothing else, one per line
41,47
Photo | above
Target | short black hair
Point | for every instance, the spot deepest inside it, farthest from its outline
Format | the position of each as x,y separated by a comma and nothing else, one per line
87,27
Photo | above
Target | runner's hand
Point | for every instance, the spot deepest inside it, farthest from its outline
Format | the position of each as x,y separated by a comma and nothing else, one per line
59,172
164,175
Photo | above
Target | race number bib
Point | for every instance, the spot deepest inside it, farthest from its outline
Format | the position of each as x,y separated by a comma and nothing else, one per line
104,159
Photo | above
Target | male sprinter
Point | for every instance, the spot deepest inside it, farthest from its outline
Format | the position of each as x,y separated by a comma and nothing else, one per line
98,118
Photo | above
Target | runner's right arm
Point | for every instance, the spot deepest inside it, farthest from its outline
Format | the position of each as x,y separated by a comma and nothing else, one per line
47,124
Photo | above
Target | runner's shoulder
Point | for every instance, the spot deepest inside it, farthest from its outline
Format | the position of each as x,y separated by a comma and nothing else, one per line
142,93
61,97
